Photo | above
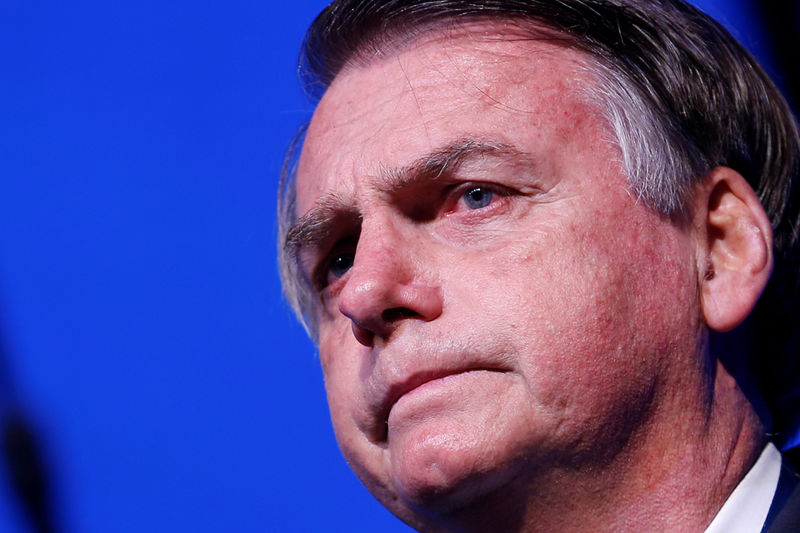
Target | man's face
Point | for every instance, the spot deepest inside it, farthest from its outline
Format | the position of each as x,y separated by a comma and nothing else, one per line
495,305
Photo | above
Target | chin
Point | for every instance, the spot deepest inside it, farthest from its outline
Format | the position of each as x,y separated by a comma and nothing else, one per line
442,470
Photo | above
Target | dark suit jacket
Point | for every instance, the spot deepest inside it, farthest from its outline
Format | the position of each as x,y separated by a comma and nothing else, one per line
784,513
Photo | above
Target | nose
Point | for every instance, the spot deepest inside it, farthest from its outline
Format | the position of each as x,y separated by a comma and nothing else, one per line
385,287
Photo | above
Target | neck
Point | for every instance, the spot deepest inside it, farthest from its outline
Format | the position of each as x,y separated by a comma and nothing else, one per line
674,474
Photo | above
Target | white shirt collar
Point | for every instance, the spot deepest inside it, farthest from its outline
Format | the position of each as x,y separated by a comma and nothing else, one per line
747,507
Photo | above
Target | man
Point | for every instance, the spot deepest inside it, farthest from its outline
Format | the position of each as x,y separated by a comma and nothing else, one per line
515,231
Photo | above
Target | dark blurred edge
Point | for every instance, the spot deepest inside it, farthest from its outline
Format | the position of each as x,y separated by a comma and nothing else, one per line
782,21
21,451
26,469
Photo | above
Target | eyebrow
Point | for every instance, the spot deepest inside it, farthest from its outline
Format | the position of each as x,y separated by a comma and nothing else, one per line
440,162
319,223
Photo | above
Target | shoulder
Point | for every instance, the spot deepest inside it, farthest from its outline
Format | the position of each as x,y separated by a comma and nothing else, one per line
784,514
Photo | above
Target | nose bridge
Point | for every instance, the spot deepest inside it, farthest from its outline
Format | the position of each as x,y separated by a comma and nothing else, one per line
382,247
385,284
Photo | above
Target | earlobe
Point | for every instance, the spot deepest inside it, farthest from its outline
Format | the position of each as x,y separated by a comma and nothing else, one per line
738,254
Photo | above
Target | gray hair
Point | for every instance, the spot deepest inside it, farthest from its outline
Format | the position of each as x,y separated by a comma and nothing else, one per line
679,93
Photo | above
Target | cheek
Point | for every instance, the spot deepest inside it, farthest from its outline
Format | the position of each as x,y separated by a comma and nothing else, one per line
340,359
345,365
596,310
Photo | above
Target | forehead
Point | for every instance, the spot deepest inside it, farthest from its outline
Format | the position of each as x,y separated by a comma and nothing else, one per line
476,80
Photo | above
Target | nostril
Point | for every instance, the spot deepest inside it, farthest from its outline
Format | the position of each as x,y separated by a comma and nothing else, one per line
363,335
398,313
377,302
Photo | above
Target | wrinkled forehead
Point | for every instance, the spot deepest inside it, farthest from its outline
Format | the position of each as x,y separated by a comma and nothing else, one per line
401,101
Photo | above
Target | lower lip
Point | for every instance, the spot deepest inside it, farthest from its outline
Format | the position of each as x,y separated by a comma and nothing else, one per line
440,386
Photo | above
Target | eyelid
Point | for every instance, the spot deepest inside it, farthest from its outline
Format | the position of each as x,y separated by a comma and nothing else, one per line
456,193
320,271
322,258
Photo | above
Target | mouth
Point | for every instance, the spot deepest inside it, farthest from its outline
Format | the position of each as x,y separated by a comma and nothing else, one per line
414,382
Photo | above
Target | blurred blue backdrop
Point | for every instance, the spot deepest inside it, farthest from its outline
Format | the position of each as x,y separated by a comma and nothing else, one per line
144,333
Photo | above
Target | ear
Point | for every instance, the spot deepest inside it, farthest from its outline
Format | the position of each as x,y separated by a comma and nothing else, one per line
737,260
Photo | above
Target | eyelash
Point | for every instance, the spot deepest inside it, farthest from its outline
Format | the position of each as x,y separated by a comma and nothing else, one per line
458,196
322,271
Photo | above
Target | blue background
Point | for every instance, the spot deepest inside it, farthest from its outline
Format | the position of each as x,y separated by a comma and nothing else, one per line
144,331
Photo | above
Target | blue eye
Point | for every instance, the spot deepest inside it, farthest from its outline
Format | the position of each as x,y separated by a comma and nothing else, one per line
340,264
478,197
